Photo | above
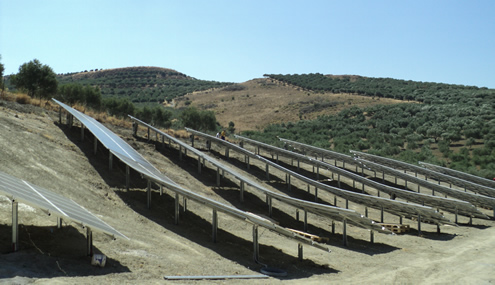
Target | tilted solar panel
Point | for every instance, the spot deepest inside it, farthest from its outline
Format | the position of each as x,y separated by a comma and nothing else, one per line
57,205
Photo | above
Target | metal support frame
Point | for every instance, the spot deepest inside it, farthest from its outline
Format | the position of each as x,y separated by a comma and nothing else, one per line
256,246
372,236
148,195
59,223
242,192
288,182
127,177
268,174
214,225
177,205
89,239
300,251
218,176
344,235
305,220
419,224
270,210
15,226
227,152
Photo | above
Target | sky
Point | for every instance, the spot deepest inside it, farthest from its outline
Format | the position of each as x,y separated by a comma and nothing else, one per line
239,40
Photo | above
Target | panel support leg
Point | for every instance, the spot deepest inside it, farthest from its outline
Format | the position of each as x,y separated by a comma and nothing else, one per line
148,195
419,225
177,208
242,191
344,235
214,224
305,220
270,210
268,176
372,236
127,177
256,247
300,251
59,223
15,226
89,240
218,177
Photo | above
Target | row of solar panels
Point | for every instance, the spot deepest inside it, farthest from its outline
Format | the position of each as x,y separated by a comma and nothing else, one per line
334,213
451,205
133,159
467,185
447,204
392,206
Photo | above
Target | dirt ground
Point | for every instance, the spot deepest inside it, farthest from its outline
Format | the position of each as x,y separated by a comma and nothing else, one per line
34,147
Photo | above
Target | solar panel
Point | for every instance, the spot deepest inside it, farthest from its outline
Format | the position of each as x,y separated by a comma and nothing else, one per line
333,212
132,158
448,204
392,206
475,199
57,205
461,175
477,188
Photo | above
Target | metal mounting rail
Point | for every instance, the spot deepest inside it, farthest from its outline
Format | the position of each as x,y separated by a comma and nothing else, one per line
391,206
467,185
455,206
133,159
334,213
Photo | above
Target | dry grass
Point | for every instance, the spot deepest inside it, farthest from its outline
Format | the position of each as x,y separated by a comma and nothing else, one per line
265,101
22,99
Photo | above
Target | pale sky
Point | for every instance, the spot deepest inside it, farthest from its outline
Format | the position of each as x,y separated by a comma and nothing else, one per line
238,40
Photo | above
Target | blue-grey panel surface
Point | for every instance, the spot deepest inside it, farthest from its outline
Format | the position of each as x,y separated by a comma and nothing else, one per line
133,159
57,205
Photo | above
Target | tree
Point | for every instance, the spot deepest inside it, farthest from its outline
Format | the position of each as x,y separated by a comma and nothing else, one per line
36,78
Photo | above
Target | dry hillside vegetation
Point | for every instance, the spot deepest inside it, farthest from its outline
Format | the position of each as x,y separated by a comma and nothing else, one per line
259,102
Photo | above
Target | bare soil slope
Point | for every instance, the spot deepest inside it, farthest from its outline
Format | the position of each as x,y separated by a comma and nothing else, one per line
260,102
34,147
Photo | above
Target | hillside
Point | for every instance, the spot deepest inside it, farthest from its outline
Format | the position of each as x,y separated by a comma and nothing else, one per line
255,104
140,84
34,147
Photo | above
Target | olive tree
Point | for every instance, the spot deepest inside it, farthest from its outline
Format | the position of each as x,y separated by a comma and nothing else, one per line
37,79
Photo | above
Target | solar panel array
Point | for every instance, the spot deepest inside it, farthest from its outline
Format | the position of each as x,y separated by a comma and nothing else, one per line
324,210
464,176
392,206
475,199
448,204
477,188
129,156
52,203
